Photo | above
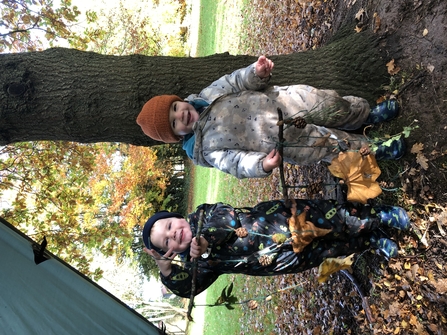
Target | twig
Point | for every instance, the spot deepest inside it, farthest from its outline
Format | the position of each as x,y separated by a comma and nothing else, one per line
194,268
280,150
412,81
365,302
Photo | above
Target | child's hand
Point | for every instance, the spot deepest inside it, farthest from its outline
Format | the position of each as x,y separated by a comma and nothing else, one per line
164,263
263,67
271,161
197,250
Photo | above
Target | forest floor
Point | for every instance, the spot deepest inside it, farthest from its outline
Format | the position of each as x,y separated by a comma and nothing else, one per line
406,295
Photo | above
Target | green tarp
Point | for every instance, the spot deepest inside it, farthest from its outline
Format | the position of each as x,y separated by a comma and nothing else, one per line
53,298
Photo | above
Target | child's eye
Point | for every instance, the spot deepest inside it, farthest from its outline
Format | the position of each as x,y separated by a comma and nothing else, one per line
174,108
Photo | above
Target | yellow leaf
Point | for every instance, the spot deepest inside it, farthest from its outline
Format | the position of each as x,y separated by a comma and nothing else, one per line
425,32
359,173
431,275
407,266
331,265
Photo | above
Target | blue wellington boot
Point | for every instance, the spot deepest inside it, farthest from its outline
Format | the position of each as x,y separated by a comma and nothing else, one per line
385,111
388,247
393,217
395,150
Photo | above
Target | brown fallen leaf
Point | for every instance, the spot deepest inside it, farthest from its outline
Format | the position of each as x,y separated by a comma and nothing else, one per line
376,23
359,15
392,68
422,161
440,285
252,304
358,29
417,148
321,142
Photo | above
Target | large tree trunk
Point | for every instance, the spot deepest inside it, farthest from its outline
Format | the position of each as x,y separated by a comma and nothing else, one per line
65,94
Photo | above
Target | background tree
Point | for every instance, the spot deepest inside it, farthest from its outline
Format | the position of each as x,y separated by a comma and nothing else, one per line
81,197
65,94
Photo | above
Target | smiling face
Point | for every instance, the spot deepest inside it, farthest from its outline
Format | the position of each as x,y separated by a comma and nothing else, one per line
171,233
182,117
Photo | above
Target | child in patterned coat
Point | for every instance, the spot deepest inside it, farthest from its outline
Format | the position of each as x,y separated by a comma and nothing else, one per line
258,241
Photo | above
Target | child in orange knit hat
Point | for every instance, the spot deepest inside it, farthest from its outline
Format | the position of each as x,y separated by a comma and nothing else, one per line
232,124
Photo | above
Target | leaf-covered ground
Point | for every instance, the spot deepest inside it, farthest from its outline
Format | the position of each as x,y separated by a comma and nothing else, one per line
407,295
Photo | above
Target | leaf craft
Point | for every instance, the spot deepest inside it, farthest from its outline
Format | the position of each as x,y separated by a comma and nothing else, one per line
359,173
331,265
303,232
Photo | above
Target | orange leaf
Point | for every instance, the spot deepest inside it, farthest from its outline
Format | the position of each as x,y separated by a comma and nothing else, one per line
303,232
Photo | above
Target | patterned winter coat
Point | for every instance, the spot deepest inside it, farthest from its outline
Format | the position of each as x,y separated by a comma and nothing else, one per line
239,127
350,228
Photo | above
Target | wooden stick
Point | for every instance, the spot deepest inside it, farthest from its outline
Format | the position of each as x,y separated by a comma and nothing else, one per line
194,269
281,150
365,302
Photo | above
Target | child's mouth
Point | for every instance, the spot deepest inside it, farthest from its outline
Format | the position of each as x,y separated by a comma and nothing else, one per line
181,236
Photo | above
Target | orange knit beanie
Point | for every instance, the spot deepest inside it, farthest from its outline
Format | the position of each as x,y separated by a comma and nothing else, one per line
154,118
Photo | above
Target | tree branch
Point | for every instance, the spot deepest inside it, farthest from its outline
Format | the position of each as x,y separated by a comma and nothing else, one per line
194,269
365,302
281,150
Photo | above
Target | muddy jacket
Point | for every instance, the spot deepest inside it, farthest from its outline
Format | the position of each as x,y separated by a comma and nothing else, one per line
349,230
239,127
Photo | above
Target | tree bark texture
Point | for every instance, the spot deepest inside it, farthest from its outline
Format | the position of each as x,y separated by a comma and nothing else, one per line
71,95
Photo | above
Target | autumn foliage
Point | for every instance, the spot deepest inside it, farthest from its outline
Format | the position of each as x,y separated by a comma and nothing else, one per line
82,197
